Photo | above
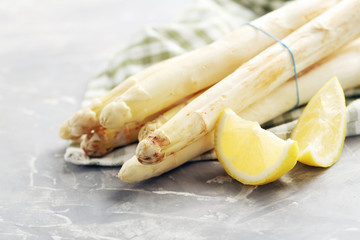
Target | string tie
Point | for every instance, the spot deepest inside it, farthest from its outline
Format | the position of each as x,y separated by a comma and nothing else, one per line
292,57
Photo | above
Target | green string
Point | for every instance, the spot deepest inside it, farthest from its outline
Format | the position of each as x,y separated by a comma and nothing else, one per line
292,57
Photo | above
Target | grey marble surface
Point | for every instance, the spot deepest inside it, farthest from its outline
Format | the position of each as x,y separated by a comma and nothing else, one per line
48,51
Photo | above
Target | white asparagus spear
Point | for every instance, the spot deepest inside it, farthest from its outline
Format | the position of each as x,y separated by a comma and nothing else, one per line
101,141
344,64
87,119
206,66
133,171
254,80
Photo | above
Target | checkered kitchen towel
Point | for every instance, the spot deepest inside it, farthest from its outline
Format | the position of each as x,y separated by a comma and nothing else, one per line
203,23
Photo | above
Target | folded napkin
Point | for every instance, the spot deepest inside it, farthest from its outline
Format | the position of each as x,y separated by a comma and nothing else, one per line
204,22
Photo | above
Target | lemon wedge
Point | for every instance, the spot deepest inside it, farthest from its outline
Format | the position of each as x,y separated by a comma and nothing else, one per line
251,154
320,130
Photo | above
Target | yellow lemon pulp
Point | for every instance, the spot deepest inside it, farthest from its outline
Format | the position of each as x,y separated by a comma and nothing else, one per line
320,130
251,154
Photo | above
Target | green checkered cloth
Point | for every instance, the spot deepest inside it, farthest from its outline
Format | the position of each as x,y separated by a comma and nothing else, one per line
204,22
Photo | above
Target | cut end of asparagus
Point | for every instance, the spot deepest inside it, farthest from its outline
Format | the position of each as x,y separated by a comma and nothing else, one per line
149,153
149,150
96,105
64,131
96,144
81,123
149,128
115,115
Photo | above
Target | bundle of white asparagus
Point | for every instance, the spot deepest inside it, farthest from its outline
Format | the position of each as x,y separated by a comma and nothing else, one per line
245,71
344,63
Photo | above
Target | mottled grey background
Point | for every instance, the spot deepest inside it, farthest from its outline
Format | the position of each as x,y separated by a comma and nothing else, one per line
48,51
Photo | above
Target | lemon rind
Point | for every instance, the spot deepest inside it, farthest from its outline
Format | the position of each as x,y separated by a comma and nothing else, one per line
308,156
290,152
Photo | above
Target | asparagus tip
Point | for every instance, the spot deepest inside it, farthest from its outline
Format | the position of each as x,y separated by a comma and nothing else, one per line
115,115
149,150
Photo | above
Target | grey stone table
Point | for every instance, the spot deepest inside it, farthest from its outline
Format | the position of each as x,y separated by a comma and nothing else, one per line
48,52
